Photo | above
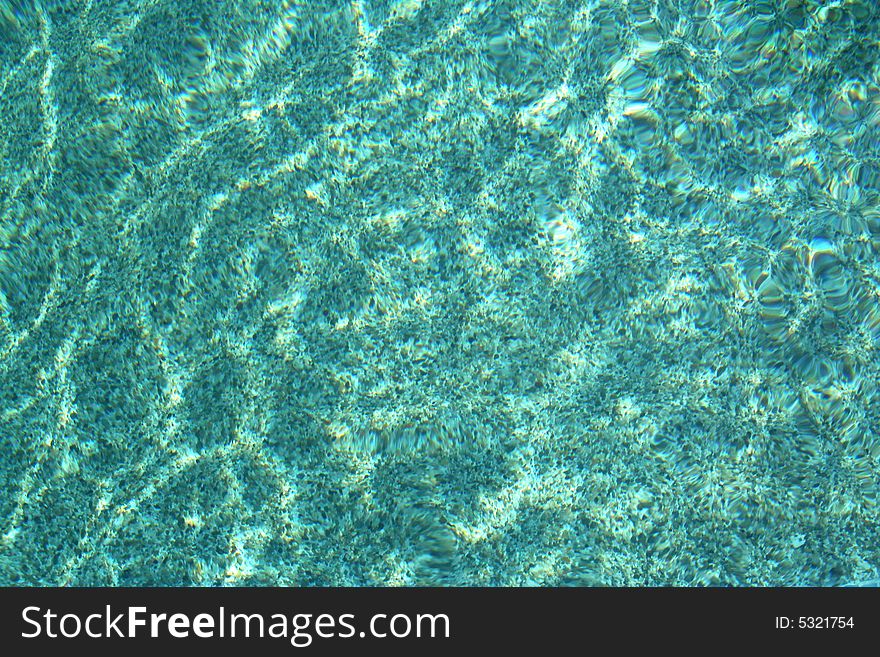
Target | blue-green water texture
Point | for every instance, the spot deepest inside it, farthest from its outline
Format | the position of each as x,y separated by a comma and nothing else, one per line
425,292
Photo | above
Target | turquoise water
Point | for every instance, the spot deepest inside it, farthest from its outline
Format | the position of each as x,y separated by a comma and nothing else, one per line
425,292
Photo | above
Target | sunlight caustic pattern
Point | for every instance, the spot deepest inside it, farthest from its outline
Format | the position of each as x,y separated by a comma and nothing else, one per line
439,292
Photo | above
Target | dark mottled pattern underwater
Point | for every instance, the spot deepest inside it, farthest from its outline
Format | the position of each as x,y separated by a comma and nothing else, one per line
439,292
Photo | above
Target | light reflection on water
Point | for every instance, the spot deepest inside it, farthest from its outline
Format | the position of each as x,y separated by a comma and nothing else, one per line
439,292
